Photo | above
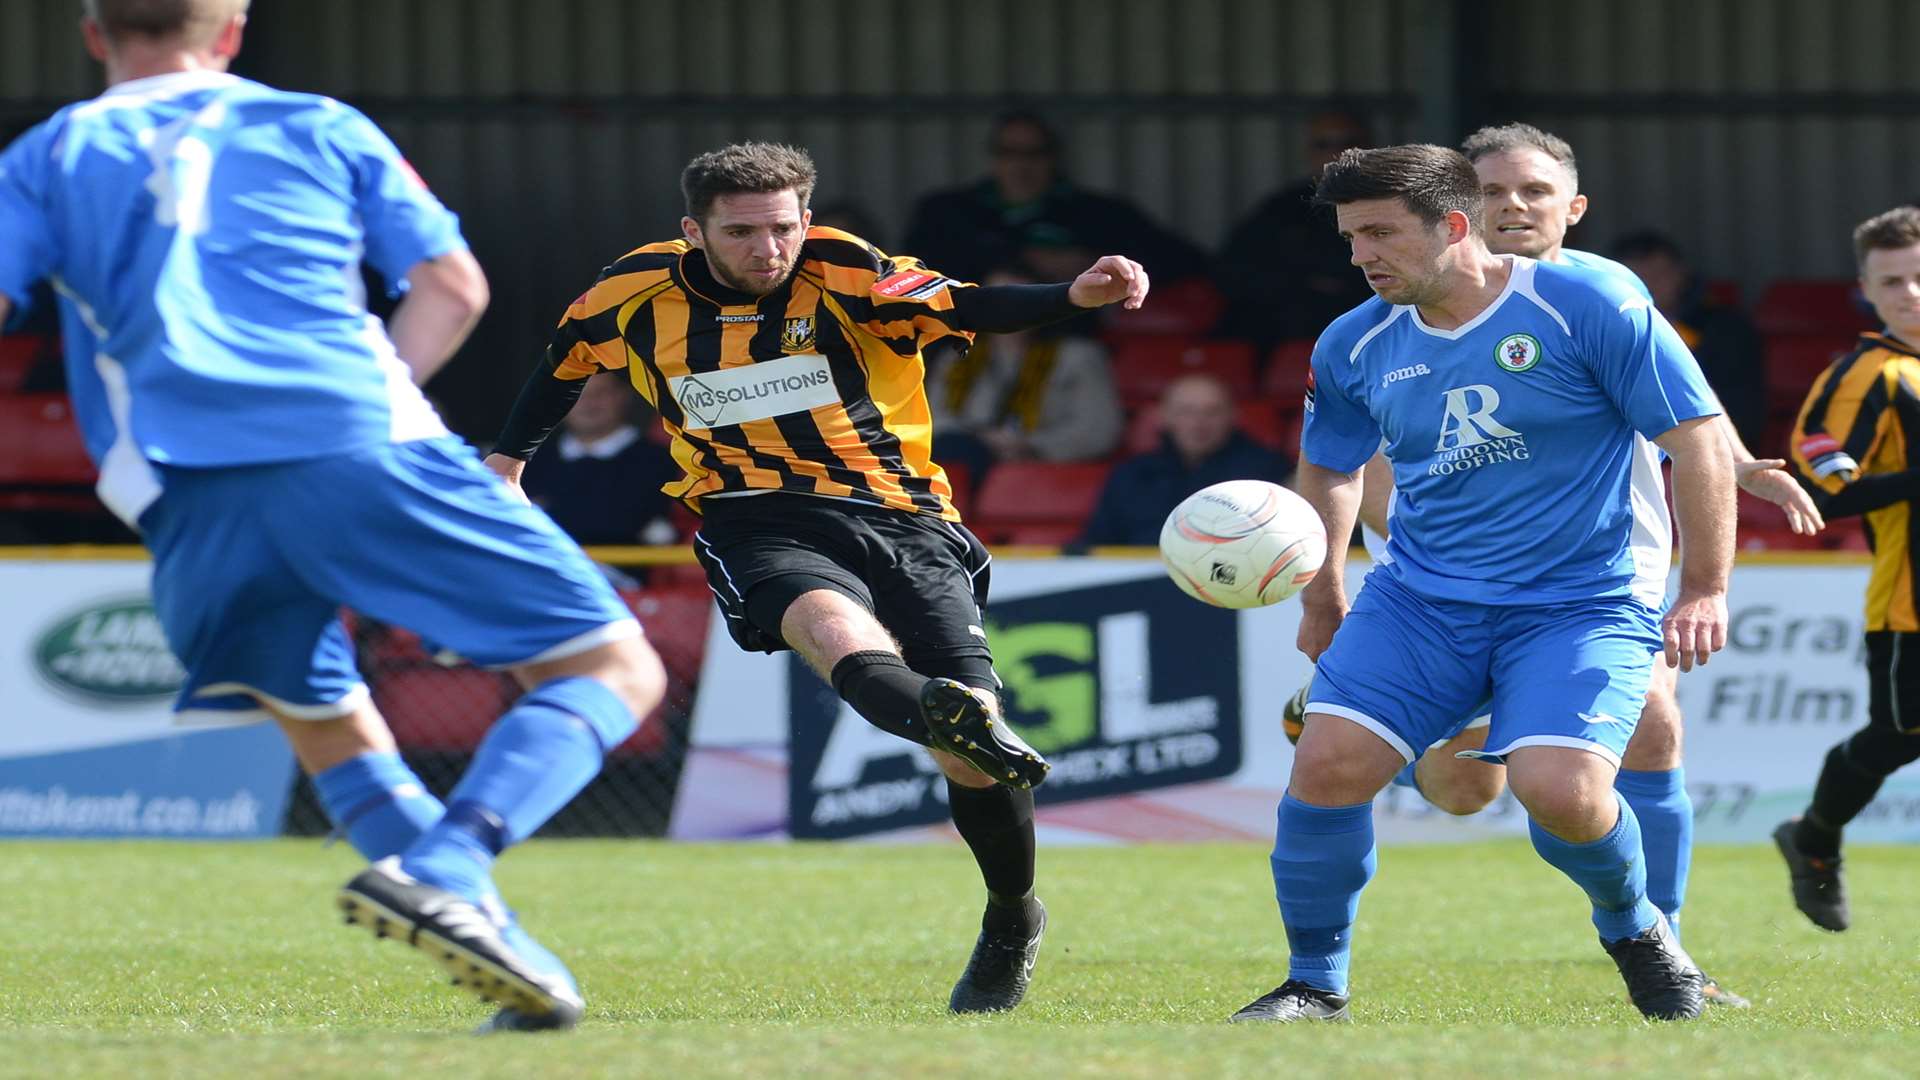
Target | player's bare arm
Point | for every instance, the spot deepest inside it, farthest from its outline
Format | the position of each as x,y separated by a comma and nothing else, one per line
1335,496
1696,625
445,296
1376,494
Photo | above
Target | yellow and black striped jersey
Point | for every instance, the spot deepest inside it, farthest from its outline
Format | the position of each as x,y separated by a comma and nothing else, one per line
817,387
1859,423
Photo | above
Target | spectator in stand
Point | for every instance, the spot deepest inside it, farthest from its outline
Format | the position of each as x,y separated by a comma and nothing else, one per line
1285,271
601,479
1722,338
1038,394
1025,210
1201,447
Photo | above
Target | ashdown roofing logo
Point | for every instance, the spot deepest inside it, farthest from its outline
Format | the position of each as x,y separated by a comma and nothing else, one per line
112,652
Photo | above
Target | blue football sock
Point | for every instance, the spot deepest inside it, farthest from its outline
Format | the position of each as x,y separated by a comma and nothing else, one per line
1612,872
533,762
1322,857
1659,800
378,802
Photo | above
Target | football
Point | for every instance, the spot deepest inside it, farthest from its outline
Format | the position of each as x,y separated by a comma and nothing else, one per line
1243,544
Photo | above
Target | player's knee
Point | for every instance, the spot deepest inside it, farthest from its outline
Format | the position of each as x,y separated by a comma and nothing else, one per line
1568,792
1461,788
1880,751
1327,773
634,672
1656,742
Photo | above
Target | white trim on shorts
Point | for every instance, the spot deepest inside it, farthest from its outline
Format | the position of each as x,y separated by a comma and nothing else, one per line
618,630
356,696
1570,741
1386,734
1483,720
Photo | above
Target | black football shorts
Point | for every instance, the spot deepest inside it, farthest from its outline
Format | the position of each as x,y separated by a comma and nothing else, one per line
923,578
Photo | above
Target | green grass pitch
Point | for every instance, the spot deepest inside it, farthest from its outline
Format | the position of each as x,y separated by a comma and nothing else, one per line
131,959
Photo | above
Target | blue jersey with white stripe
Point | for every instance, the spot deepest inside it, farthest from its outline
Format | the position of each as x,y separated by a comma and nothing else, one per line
1519,440
205,234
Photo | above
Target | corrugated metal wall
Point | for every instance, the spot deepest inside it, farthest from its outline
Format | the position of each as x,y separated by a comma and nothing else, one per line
557,127
1758,132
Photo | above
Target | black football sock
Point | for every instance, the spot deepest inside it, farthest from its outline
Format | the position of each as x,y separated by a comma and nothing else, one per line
997,823
884,691
1843,790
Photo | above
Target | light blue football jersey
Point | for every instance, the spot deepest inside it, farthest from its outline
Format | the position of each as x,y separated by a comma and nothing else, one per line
1519,441
1587,260
205,234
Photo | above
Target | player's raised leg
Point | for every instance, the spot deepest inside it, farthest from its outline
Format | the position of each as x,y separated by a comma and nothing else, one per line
992,811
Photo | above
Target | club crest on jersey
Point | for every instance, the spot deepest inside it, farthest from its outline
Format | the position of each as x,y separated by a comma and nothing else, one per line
798,334
1517,352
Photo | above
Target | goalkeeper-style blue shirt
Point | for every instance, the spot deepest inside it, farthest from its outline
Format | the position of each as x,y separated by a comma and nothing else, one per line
1519,440
205,234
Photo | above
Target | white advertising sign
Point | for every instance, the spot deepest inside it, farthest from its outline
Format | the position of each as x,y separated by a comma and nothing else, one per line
1759,719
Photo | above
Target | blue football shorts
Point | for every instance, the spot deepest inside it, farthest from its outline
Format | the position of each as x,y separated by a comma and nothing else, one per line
252,564
1408,668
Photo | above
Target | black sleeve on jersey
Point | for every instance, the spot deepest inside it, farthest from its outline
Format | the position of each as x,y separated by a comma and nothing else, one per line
1006,309
542,404
1864,494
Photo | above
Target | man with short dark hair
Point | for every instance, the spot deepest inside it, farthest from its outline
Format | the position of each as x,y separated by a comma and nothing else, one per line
1856,447
1282,268
1027,210
786,362
1515,399
266,436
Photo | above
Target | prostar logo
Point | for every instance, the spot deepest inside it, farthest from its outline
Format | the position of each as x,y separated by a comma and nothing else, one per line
1471,435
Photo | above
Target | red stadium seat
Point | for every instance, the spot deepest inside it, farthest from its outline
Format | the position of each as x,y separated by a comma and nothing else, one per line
437,708
18,354
1287,369
1187,308
1722,292
1793,362
39,443
960,477
1034,498
1142,367
1811,306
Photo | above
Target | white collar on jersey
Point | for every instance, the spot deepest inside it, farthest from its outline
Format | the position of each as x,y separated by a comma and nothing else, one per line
1518,266
573,448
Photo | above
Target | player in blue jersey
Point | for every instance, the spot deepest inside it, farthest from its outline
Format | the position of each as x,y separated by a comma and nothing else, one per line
265,436
1515,399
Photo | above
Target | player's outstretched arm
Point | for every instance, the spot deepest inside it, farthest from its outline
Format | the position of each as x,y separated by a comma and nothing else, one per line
445,296
1336,497
1769,479
1696,624
1007,309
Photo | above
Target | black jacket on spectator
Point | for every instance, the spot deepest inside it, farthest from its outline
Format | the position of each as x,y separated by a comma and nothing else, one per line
1285,271
602,500
1141,491
967,231
1728,347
